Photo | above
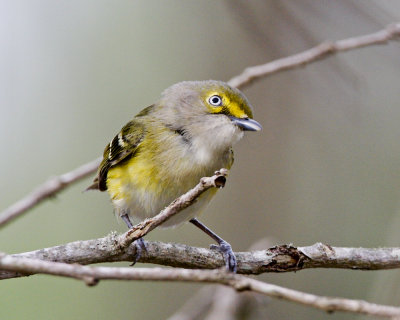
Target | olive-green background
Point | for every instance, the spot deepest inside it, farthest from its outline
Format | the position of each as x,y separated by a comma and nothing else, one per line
326,166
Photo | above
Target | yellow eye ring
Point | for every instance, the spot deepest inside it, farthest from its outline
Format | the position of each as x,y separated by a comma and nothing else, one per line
215,100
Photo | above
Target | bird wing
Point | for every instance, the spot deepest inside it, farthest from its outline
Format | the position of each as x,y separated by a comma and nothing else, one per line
121,148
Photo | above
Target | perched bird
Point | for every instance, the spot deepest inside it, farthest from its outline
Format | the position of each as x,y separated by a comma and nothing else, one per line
165,150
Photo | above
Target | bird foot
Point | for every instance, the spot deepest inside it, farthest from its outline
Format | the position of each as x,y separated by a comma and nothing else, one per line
227,252
140,248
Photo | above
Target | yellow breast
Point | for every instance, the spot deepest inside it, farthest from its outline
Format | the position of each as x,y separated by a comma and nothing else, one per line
154,176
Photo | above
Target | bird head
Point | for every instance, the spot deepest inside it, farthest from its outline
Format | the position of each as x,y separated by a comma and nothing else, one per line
211,114
193,99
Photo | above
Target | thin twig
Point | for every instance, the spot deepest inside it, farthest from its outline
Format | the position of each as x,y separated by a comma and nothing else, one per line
46,190
91,276
320,51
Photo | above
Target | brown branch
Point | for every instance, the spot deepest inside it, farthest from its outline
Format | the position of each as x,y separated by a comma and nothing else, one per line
320,51
46,190
282,258
91,276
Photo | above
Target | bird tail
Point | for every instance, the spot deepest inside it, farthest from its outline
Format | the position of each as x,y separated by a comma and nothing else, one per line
93,186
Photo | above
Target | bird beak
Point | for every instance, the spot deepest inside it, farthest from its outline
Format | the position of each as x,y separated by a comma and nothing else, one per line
246,124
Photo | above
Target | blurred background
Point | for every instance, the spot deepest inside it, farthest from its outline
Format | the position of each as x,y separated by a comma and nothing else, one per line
326,166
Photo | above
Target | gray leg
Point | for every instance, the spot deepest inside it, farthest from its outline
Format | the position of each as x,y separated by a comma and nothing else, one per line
139,243
126,219
223,246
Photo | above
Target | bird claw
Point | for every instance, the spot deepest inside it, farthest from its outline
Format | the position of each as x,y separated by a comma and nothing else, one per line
227,252
140,248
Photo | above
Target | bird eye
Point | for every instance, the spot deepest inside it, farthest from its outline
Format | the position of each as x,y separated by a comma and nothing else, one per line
215,100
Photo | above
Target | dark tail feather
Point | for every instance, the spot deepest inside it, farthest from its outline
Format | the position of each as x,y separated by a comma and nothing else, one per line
94,186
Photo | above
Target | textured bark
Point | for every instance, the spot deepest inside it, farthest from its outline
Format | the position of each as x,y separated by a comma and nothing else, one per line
283,258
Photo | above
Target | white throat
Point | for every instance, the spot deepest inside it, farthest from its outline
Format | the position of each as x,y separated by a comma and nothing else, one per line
214,141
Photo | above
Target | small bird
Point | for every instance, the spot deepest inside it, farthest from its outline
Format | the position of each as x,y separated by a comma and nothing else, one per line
167,147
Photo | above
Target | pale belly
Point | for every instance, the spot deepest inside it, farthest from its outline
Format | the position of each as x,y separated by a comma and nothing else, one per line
138,212
142,191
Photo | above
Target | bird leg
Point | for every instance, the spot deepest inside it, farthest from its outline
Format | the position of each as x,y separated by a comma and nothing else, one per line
139,243
223,246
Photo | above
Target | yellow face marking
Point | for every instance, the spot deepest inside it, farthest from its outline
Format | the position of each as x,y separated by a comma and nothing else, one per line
231,103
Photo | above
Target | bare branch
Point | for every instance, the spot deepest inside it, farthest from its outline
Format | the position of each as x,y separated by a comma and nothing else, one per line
46,190
91,276
282,258
320,51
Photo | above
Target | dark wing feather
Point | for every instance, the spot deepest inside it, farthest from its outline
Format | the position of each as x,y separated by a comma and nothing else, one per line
122,147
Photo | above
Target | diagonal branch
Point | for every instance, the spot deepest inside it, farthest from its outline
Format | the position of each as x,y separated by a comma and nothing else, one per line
91,276
141,229
318,52
46,190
